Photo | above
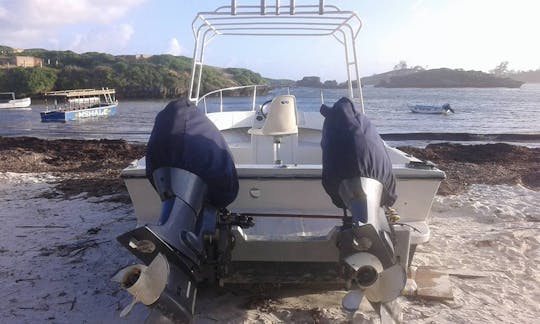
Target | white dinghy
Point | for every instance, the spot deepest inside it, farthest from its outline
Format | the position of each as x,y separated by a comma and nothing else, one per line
8,101
437,110
282,227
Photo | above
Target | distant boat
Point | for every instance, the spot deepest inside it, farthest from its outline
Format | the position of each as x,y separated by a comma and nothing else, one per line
78,104
8,101
425,109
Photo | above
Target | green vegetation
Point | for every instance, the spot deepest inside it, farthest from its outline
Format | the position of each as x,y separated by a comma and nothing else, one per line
502,70
404,76
159,76
5,50
310,82
245,76
26,82
281,83
532,76
168,76
447,78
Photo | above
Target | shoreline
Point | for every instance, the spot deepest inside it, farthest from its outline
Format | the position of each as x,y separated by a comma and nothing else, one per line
492,164
63,205
79,166
94,166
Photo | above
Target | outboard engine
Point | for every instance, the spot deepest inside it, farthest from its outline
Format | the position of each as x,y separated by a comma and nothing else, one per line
366,246
173,249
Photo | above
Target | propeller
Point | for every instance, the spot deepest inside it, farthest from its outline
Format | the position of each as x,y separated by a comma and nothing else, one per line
378,285
145,283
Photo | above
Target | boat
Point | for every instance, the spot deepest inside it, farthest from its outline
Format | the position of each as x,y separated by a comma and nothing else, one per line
426,109
78,104
282,227
8,101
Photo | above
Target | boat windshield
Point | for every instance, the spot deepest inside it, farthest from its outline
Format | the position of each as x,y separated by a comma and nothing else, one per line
7,96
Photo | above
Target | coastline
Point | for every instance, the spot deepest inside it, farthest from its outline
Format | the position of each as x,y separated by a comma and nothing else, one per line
492,164
93,166
62,211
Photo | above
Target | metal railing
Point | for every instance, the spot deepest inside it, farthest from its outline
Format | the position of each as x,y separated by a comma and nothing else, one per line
279,20
220,91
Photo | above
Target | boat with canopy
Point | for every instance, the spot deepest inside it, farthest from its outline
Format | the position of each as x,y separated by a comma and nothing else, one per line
282,227
78,104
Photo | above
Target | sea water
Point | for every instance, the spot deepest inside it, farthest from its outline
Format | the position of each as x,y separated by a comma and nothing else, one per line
477,111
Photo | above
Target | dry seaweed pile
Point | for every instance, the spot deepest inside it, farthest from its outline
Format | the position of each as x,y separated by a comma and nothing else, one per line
491,164
94,166
91,166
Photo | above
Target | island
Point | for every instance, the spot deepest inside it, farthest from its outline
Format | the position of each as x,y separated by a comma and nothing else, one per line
448,78
417,77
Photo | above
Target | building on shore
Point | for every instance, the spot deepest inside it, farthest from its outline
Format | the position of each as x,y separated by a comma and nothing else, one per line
20,61
136,57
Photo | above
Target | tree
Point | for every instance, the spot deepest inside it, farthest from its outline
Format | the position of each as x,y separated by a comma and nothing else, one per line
73,77
28,81
501,69
103,76
402,65
156,77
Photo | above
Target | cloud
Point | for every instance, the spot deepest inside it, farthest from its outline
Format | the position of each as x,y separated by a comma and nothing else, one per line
417,4
47,19
110,39
174,47
467,34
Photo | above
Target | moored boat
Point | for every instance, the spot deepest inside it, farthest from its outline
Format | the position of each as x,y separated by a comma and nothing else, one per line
282,227
427,109
8,101
79,104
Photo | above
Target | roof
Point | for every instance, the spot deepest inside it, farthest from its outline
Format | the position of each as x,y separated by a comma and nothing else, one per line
278,20
80,93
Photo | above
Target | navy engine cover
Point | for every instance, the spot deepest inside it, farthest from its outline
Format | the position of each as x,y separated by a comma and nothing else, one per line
183,137
352,147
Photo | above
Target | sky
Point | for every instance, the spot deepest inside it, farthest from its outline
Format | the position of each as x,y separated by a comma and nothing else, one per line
467,34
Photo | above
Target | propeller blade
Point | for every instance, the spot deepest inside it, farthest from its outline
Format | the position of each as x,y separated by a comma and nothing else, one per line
390,312
389,285
351,301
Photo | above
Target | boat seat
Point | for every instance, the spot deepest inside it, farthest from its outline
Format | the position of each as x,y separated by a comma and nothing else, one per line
281,119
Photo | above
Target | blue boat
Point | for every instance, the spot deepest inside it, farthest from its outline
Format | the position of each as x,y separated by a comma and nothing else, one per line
79,104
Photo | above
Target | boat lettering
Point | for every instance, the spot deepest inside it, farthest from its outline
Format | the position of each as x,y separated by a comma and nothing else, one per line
92,113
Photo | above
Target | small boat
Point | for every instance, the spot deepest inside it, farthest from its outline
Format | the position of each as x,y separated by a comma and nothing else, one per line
78,104
8,101
425,109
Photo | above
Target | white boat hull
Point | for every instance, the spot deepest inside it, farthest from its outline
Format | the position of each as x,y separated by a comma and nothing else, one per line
272,193
433,110
23,103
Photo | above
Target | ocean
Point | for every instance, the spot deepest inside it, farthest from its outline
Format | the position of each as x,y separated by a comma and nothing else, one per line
481,115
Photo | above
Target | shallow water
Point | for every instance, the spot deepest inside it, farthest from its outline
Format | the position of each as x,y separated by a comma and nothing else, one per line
478,111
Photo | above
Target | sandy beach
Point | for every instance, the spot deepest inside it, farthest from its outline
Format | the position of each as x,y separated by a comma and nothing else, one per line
63,206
